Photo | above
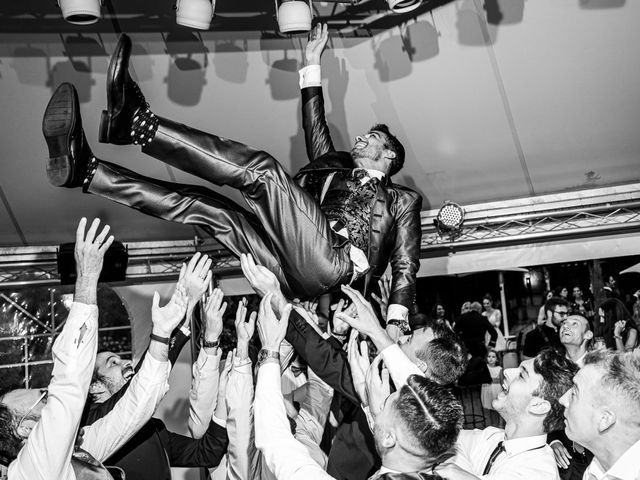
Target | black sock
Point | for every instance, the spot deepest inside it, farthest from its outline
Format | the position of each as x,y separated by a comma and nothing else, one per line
91,171
144,127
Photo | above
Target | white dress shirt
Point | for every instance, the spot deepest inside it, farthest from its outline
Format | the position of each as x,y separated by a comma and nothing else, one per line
47,452
203,394
311,76
285,456
626,468
528,458
136,407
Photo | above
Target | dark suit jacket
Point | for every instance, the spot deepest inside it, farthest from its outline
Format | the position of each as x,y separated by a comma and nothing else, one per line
353,454
472,328
394,225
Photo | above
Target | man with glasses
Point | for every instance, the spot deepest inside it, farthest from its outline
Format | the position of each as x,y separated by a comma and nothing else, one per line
39,427
546,335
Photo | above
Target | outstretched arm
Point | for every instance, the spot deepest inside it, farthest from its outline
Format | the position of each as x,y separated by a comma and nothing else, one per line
327,360
50,441
316,131
405,256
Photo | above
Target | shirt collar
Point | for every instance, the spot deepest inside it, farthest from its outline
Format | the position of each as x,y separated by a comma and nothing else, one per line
626,468
372,173
519,445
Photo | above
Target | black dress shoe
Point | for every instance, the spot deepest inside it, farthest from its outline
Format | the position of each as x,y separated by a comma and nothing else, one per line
124,98
69,153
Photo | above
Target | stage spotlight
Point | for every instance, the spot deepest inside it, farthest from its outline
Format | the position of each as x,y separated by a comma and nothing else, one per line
403,6
294,16
449,220
81,12
195,13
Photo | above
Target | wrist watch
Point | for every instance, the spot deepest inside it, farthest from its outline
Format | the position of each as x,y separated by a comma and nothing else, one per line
206,344
402,325
265,355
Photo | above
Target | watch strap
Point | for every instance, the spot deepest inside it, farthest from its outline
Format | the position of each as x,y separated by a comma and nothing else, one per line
158,338
265,355
402,325
206,344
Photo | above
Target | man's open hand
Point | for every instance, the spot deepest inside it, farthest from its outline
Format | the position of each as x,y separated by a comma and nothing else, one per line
318,37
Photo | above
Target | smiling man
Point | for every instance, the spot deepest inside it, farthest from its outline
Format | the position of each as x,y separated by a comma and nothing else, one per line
531,409
346,222
602,411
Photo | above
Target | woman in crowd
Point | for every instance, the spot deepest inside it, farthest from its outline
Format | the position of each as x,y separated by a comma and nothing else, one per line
581,305
615,325
495,318
542,316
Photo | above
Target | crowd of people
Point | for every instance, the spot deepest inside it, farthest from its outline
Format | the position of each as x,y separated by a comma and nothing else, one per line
374,402
356,391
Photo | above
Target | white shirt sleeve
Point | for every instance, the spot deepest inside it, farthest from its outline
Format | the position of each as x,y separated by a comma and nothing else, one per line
310,76
47,452
148,387
203,394
399,365
287,458
314,409
240,421
397,312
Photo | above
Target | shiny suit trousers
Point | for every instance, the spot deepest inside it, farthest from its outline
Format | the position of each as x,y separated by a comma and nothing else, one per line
284,228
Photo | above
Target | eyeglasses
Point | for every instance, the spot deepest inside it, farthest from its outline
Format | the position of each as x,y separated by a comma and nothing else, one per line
561,314
43,394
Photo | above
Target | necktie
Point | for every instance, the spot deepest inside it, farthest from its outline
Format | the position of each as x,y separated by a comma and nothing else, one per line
492,458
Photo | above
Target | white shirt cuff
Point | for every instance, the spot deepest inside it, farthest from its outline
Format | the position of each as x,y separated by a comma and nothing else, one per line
218,421
397,312
310,76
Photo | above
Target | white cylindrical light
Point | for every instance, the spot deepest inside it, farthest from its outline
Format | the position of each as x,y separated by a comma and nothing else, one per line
81,12
194,13
294,16
403,6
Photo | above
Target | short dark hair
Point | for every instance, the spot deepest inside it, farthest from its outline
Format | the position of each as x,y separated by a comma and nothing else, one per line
393,144
551,304
431,414
10,441
557,373
444,357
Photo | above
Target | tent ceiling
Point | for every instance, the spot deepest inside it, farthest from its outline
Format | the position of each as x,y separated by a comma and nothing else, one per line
545,100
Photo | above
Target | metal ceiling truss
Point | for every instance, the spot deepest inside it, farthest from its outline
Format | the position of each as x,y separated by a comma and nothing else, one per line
588,213
148,262
547,218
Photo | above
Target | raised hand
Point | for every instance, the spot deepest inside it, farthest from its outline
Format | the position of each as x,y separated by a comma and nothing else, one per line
244,329
318,37
340,325
366,320
271,330
377,386
221,404
359,363
263,281
90,249
261,278
213,316
195,277
166,318
385,292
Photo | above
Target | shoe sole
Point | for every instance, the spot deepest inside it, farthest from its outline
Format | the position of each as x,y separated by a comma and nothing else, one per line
122,51
57,126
